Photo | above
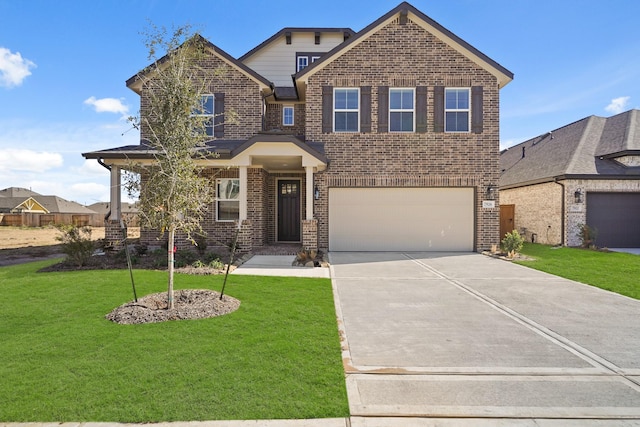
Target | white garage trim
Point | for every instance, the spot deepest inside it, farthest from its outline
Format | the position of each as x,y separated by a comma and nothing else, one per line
401,219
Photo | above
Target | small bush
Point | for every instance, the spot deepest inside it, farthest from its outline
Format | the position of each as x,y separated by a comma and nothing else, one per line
141,249
76,243
184,258
217,264
587,236
512,243
306,255
199,264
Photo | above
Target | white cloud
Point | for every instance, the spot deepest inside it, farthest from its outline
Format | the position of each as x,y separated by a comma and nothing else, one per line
91,167
618,105
12,159
107,105
13,68
90,192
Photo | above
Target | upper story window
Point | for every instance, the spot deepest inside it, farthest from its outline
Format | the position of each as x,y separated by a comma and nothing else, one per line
457,109
206,110
401,110
227,199
287,115
346,109
303,60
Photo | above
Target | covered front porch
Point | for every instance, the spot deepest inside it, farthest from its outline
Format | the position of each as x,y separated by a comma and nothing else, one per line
264,187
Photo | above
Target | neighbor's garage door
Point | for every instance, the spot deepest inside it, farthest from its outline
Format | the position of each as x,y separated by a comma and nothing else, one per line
617,218
401,219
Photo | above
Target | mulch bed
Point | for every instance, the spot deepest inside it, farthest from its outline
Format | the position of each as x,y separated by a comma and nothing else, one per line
188,304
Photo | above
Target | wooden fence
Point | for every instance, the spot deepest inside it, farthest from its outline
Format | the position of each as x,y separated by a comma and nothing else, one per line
42,220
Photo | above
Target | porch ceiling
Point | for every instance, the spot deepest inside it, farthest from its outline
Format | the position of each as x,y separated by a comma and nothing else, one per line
277,163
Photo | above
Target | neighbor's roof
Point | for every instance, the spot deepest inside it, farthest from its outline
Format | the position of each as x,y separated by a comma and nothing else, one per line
53,204
17,192
585,148
405,9
105,207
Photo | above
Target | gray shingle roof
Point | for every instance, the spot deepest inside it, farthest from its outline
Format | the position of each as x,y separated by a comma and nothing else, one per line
54,204
586,147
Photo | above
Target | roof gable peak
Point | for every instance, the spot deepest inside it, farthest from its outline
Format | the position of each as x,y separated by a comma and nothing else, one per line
404,12
135,82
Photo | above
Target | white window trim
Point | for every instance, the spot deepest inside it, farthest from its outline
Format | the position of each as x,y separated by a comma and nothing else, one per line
457,110
220,199
298,66
345,110
212,115
403,110
293,115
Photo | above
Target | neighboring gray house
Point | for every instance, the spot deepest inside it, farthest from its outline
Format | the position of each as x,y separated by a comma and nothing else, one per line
587,172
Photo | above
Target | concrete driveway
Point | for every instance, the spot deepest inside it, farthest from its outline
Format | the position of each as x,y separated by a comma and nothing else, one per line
446,336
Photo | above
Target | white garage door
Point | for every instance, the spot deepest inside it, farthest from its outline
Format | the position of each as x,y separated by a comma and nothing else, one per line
401,219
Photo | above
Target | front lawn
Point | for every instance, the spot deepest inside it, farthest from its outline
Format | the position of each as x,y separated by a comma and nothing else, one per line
613,271
277,356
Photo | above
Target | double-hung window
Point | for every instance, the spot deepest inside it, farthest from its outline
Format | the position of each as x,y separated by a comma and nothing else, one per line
346,109
206,111
401,110
287,115
457,109
227,199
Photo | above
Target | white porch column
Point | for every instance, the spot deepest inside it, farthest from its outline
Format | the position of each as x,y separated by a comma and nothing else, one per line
116,194
243,192
309,170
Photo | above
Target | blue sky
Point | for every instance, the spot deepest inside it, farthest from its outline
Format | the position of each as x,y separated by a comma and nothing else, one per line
63,65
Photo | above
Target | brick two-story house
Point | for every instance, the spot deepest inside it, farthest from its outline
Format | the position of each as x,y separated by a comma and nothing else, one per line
384,139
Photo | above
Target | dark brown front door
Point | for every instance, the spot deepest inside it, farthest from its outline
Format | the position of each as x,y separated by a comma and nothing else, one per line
289,211
507,216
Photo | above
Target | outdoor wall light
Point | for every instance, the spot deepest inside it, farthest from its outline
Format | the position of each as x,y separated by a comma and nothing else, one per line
578,195
316,193
491,191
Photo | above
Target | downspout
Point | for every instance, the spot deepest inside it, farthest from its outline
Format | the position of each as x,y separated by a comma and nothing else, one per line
104,165
264,105
563,214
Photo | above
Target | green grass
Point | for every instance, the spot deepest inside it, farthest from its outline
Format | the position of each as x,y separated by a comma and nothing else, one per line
277,356
613,271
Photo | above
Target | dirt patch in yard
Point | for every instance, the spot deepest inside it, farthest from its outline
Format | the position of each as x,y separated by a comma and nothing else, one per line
25,244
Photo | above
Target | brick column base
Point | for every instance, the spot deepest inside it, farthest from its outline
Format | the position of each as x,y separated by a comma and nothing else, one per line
245,237
310,234
113,235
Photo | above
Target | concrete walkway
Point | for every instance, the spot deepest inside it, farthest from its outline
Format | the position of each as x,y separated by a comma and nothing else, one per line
468,340
278,265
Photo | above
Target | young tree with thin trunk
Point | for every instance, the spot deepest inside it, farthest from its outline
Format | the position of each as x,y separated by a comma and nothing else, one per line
174,195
